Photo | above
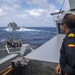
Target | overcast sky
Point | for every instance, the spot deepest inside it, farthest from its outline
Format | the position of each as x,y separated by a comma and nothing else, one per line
29,13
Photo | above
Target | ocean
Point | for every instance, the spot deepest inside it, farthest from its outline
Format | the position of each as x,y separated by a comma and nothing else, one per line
35,36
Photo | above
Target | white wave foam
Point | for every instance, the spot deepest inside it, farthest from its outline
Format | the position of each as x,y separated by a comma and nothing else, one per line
22,29
3,40
26,29
8,29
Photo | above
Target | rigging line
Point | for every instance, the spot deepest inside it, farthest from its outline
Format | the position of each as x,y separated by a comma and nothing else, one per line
62,5
59,12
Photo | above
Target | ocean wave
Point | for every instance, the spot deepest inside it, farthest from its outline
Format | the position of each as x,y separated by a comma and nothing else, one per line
3,40
22,29
8,29
25,29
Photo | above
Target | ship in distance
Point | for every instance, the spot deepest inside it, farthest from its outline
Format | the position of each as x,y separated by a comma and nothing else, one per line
12,26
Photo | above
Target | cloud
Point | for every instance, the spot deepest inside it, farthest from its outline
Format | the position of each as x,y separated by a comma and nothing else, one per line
1,12
36,17
27,12
65,5
8,8
9,2
38,3
59,1
35,12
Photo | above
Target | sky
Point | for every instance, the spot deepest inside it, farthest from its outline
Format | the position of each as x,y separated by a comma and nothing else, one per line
30,13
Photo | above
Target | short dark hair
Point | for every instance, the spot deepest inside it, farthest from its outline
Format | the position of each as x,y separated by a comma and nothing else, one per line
69,20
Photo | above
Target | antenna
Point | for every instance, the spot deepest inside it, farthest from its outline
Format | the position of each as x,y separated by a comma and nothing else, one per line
62,5
60,11
61,8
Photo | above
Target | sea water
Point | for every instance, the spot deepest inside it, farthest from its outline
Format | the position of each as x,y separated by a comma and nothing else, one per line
35,36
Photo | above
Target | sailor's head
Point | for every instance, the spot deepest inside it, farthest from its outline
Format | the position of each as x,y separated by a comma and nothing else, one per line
68,22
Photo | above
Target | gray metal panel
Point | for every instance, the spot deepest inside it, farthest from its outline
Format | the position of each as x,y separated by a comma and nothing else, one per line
72,4
50,51
7,58
5,62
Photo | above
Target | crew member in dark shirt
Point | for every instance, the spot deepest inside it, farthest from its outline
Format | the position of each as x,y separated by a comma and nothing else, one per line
67,51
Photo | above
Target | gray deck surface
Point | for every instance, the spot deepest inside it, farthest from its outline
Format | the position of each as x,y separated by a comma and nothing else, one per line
4,53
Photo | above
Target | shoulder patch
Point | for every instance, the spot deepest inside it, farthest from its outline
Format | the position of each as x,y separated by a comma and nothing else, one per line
71,35
71,45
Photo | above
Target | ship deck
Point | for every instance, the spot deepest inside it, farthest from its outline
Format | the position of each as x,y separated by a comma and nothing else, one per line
4,53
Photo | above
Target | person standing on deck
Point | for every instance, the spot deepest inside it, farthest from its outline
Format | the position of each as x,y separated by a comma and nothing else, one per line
67,51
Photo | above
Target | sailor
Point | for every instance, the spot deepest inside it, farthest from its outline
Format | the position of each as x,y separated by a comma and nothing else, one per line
67,51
